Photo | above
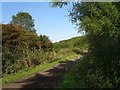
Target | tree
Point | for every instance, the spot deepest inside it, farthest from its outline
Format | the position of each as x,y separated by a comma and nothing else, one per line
46,44
16,43
24,19
100,21
15,37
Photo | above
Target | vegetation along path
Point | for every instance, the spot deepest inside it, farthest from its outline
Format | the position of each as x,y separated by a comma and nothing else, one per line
49,78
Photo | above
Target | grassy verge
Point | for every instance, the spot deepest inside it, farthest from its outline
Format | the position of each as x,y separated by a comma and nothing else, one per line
27,72
79,75
86,75
69,81
72,79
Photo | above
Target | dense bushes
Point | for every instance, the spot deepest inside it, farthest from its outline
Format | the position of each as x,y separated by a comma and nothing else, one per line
88,74
23,49
45,43
16,38
104,43
100,22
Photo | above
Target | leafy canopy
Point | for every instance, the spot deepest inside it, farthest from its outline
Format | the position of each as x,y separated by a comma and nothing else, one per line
100,21
24,19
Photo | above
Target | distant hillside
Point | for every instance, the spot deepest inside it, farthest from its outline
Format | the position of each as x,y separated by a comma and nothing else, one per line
75,42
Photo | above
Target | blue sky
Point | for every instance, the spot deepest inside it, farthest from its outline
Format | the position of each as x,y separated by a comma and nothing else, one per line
52,22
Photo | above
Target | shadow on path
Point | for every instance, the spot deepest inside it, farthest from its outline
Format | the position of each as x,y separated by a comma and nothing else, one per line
50,78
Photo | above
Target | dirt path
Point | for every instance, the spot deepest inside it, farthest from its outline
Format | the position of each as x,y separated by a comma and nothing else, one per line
49,78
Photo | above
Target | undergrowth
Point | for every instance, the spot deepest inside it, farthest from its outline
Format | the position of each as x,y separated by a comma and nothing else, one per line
8,78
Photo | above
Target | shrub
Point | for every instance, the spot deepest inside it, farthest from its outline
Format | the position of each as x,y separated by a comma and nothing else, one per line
23,49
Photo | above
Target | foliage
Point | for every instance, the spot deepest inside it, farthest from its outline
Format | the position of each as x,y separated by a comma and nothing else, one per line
46,44
23,49
59,4
16,37
86,74
100,21
24,19
7,78
76,42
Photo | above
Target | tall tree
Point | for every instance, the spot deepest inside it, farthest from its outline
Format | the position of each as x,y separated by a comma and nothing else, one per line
24,19
100,21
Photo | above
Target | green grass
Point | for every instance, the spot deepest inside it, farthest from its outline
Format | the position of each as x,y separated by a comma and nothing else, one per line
8,78
69,81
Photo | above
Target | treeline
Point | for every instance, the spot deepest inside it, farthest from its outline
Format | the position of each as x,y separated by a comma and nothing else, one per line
78,45
75,42
100,68
22,48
